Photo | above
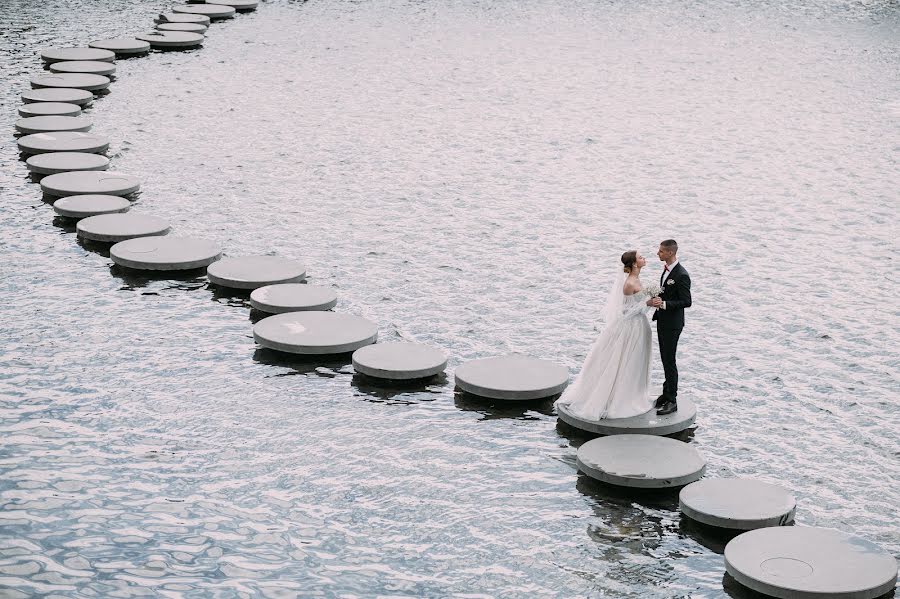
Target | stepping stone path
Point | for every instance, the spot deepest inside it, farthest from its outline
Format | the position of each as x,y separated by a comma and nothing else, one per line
213,11
252,272
314,333
399,361
49,124
49,109
803,562
172,39
644,424
122,46
95,67
64,141
165,253
90,182
737,503
640,461
90,205
52,55
171,17
71,80
292,297
512,377
238,5
62,162
113,228
189,27
49,94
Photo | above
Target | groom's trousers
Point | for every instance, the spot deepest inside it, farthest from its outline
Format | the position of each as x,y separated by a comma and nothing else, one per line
668,345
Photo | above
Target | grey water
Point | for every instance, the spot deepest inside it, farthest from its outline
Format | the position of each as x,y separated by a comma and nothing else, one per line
465,173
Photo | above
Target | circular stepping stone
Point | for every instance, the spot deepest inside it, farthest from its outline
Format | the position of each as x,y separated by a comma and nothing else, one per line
292,297
238,5
63,141
189,27
399,361
90,205
122,46
71,80
119,227
49,124
63,162
737,503
165,253
314,333
50,109
171,17
803,562
214,12
647,423
96,67
640,461
52,55
172,39
252,272
512,377
109,183
50,94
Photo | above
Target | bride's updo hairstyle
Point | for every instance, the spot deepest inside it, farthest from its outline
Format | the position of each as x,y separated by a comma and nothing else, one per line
629,259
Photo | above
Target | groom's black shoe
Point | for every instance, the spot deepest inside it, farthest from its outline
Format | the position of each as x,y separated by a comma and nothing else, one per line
667,408
661,400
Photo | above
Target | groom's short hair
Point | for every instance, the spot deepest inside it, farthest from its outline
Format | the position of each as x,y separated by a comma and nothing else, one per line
670,244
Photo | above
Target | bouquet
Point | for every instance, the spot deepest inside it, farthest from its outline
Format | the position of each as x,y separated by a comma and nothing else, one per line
653,289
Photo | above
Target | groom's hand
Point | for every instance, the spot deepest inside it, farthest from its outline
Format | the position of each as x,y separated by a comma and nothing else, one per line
654,302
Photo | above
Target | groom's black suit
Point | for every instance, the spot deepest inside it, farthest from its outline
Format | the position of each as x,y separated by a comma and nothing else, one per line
676,294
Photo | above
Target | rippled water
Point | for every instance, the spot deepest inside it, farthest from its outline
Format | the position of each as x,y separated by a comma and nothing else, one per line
465,173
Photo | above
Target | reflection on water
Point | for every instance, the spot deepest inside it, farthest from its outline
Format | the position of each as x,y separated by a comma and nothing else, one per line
465,174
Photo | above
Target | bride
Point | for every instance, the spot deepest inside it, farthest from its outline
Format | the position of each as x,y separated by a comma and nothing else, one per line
615,378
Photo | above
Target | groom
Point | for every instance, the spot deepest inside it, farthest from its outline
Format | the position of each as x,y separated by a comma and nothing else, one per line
669,317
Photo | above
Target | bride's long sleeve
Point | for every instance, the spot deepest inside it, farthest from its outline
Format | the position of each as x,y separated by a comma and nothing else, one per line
637,305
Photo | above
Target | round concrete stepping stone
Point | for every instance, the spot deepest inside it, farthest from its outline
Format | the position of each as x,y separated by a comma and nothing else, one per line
252,272
122,46
71,80
165,253
172,39
399,361
643,424
189,27
214,12
109,183
737,503
292,297
171,17
90,205
50,109
50,94
48,124
63,141
238,5
512,377
804,562
314,333
119,227
63,162
641,461
52,55
96,67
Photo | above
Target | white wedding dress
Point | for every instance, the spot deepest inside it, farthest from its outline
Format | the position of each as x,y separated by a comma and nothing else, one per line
615,379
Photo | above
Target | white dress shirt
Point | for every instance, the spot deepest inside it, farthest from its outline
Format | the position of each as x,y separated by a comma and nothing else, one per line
666,278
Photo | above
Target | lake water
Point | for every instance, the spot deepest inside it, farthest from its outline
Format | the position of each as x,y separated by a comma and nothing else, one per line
465,173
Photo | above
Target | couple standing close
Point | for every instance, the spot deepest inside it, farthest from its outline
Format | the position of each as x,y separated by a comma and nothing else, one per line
615,379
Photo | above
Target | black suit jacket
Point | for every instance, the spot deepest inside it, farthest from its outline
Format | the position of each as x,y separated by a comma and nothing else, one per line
677,295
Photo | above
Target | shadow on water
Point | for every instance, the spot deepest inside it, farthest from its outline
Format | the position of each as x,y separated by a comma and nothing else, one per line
711,537
239,298
329,366
101,248
190,279
606,494
492,409
399,392
578,437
